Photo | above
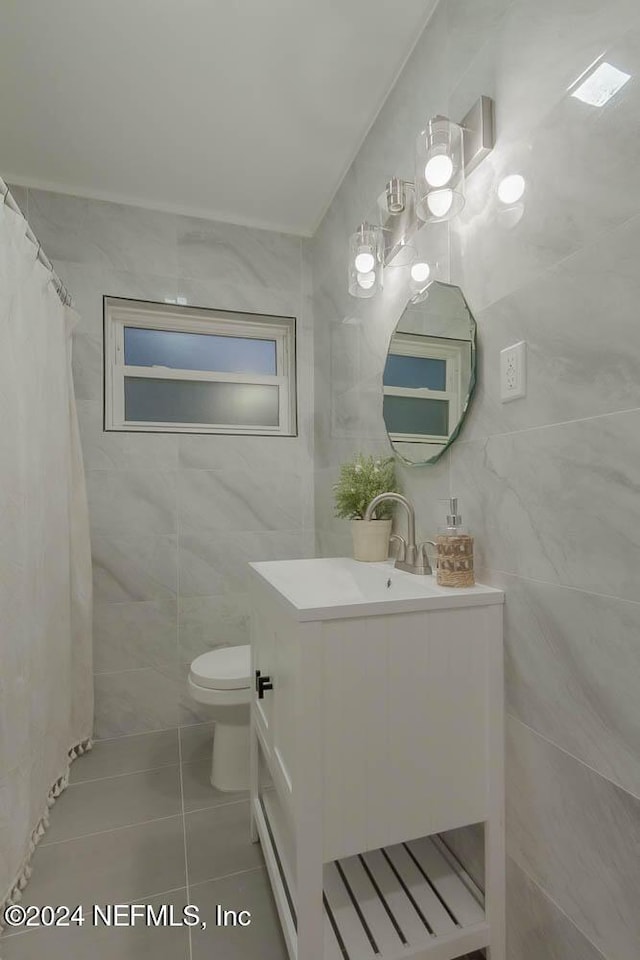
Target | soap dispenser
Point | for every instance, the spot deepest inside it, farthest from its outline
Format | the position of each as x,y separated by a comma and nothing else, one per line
454,551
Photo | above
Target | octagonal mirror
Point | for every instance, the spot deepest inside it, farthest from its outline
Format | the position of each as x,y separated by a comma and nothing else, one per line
429,374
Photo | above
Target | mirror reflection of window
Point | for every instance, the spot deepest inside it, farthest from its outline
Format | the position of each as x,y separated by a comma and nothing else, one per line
428,376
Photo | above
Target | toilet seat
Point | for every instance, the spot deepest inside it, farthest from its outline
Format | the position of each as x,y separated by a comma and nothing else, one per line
227,668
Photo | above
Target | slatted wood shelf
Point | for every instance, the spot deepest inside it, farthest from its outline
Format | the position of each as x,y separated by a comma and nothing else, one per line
405,901
395,902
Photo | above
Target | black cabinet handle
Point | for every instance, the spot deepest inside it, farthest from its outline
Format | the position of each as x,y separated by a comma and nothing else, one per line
262,684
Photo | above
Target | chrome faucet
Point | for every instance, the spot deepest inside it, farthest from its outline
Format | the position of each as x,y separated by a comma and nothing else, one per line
413,557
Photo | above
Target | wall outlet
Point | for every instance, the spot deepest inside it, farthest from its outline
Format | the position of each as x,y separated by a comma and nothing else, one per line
513,372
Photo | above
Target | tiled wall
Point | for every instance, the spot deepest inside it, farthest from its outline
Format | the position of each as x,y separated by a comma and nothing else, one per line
549,484
175,519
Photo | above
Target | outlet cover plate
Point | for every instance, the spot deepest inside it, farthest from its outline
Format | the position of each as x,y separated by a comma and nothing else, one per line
513,372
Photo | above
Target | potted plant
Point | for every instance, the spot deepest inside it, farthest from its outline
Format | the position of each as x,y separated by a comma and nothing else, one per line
362,479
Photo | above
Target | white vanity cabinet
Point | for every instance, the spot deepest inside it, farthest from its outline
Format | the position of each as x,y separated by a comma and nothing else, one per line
377,724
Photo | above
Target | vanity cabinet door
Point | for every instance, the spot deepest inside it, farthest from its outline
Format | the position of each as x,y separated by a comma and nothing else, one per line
262,659
406,706
276,654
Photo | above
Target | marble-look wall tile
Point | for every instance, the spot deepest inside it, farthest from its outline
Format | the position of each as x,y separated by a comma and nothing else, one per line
209,293
126,502
569,375
229,500
244,453
573,672
567,203
558,504
217,564
207,622
577,835
127,636
109,234
135,701
85,282
87,366
333,543
537,928
207,250
115,450
190,712
134,568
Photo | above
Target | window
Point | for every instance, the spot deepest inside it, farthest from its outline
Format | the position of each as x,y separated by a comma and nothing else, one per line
422,387
181,369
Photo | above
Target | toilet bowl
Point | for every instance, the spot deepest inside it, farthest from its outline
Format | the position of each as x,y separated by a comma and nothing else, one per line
220,679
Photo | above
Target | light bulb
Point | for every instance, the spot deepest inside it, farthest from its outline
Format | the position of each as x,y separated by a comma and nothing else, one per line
366,280
440,202
511,188
438,170
364,262
420,272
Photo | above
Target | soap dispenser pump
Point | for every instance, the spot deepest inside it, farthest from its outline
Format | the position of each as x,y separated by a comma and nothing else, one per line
454,551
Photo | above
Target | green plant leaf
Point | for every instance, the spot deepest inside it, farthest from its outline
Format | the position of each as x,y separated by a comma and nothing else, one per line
362,479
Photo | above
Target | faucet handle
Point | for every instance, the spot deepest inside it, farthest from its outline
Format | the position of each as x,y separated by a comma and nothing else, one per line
402,552
423,553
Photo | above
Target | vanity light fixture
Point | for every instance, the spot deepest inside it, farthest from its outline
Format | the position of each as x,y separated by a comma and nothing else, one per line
446,153
365,261
596,86
439,170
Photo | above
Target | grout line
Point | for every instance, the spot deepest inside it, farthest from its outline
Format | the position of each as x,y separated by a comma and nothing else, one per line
567,753
127,773
554,583
547,896
586,247
547,426
215,806
98,833
228,876
148,733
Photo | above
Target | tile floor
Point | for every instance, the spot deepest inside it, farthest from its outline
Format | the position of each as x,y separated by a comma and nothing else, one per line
140,822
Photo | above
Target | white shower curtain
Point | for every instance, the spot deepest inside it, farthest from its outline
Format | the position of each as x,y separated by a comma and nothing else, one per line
46,693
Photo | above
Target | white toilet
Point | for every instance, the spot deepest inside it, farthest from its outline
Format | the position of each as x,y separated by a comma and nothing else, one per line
220,679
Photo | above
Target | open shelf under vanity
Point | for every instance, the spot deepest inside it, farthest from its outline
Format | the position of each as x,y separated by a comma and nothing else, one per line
408,900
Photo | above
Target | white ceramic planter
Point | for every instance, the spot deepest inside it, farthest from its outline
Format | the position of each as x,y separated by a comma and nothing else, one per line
370,539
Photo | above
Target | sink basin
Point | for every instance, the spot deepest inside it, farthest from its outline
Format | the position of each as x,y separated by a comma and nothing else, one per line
339,587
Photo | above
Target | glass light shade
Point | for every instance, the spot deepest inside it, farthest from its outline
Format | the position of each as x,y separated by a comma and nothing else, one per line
365,261
366,280
439,170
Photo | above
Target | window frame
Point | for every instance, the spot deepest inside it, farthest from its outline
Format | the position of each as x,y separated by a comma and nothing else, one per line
119,313
437,348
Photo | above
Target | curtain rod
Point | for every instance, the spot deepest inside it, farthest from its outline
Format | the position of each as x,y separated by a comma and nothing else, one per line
61,290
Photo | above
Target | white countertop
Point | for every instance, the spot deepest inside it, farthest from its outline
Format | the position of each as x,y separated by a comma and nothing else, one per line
334,588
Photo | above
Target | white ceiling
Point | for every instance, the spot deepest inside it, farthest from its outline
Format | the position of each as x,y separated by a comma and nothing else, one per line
243,110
